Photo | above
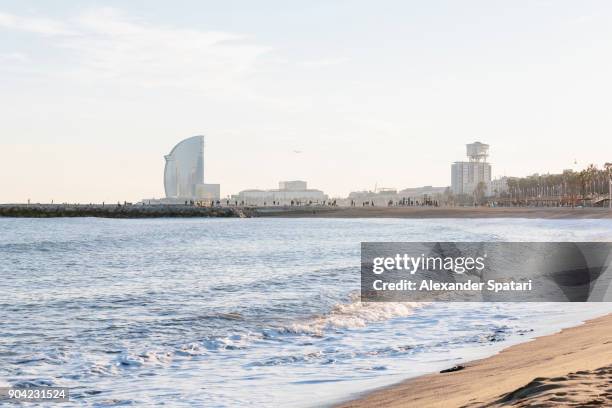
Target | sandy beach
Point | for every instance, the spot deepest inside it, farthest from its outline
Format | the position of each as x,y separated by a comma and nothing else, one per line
570,368
435,212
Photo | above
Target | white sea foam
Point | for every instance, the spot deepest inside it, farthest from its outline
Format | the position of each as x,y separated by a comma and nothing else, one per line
147,357
353,315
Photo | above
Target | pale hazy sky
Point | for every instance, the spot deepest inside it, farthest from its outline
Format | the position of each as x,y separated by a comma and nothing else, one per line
94,93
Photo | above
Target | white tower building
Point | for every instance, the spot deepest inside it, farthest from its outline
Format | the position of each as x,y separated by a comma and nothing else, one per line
465,176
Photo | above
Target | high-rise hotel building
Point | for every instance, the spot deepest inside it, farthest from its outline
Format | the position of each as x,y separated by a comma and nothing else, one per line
465,175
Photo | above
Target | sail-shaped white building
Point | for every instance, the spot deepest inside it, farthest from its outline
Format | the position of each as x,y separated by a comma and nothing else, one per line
184,172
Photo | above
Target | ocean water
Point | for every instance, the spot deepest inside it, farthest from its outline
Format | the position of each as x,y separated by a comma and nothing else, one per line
242,312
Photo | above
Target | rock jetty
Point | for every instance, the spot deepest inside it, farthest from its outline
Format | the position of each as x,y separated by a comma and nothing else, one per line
119,211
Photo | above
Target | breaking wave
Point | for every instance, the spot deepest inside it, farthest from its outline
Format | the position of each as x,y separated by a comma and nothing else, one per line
353,315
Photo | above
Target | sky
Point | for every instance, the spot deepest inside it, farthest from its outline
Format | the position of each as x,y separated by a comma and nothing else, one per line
347,95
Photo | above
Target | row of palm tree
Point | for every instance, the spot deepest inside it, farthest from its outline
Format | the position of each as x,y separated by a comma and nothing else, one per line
587,183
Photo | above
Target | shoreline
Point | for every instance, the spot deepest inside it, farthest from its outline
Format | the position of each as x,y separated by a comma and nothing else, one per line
573,366
169,211
436,212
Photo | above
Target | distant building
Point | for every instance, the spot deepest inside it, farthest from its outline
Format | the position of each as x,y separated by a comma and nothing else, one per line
184,175
295,185
382,196
288,191
184,172
498,186
417,192
465,175
386,191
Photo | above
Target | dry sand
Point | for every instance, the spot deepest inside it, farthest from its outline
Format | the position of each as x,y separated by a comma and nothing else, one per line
570,368
433,212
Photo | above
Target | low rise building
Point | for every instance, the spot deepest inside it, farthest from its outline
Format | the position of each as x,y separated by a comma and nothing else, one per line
498,186
295,191
384,196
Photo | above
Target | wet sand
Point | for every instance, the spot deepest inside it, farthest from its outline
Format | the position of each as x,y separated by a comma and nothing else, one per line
570,368
433,212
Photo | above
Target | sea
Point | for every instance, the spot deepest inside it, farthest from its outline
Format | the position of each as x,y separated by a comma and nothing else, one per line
243,312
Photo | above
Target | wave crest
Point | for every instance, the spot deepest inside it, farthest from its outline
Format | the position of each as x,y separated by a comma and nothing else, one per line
353,315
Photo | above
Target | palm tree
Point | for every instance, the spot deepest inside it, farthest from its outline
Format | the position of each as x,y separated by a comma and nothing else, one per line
592,174
583,176
512,185
608,167
479,191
